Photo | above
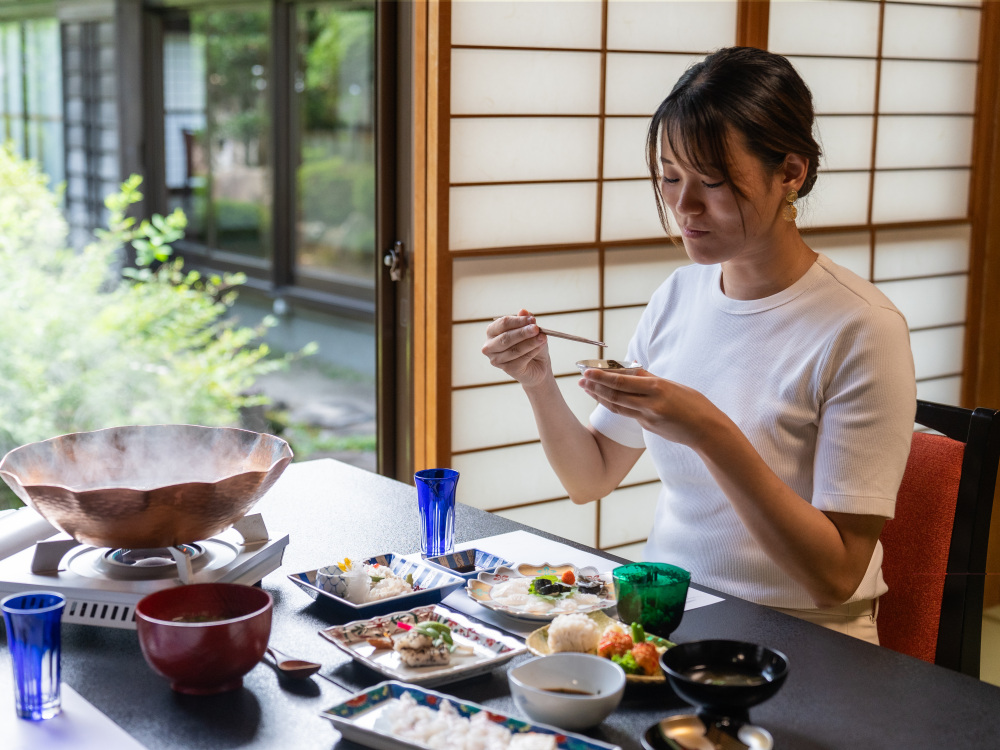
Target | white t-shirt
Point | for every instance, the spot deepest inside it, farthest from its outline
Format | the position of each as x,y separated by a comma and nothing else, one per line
819,377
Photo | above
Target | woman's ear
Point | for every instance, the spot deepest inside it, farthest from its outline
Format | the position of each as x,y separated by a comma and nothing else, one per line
793,171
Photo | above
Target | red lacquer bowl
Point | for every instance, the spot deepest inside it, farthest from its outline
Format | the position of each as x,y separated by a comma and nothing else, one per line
205,636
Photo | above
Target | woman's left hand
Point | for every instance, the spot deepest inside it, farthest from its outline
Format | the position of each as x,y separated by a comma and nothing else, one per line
670,410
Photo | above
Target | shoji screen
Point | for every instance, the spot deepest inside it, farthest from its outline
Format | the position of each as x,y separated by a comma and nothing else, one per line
894,86
549,209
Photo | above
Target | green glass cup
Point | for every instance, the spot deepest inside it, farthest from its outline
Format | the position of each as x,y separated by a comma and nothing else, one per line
651,594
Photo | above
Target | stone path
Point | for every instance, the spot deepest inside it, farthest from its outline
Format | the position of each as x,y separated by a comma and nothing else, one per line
328,415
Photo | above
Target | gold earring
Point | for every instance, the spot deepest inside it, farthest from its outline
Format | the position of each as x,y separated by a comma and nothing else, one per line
789,212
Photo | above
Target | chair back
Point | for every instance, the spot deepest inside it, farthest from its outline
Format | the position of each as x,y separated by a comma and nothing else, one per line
935,547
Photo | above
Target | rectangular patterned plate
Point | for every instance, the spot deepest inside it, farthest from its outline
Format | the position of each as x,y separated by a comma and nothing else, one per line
431,585
490,648
357,719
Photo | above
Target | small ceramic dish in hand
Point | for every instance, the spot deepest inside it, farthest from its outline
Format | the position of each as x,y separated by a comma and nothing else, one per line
468,563
567,690
566,589
609,365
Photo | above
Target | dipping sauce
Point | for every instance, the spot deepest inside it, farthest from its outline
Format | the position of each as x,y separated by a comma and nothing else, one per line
568,691
732,677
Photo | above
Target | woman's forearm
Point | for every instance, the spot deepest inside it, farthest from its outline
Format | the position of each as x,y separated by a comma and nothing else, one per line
588,465
827,554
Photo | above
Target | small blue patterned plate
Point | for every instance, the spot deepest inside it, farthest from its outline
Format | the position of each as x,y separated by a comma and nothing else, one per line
430,586
468,563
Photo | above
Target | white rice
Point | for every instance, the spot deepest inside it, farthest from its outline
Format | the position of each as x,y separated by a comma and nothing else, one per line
573,632
446,729
389,587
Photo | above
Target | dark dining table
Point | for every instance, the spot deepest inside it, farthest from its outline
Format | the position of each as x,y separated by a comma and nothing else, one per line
840,692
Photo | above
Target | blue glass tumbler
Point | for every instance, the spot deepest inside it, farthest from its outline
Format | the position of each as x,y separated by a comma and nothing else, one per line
33,620
436,499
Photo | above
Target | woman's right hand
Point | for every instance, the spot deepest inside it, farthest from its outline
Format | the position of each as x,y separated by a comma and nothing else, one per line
515,345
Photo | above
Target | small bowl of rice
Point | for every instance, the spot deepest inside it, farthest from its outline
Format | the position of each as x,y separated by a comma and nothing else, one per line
567,690
574,632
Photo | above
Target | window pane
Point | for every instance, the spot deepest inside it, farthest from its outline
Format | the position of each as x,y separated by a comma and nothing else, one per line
689,25
637,83
625,147
923,141
628,211
540,282
488,482
217,126
915,195
532,214
335,189
846,142
632,510
533,82
927,251
511,149
839,86
827,27
837,199
942,33
919,87
491,23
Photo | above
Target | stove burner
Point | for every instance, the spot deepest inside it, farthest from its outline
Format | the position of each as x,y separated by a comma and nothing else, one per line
147,558
148,564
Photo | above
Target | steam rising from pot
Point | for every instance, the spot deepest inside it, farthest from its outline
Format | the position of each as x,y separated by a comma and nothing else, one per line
146,486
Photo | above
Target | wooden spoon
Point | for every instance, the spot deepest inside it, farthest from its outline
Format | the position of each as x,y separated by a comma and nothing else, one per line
291,667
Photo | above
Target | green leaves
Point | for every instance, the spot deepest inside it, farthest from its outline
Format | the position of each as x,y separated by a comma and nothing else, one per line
438,632
87,346
152,238
627,662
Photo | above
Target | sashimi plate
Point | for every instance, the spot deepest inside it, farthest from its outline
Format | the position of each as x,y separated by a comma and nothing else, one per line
538,644
359,718
491,591
430,585
490,648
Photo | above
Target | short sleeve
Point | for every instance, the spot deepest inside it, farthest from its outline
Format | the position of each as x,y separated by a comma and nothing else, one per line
866,418
624,430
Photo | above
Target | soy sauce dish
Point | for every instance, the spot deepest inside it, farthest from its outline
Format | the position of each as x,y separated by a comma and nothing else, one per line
567,690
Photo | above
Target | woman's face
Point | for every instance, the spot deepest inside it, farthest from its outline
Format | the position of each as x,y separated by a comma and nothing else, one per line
716,224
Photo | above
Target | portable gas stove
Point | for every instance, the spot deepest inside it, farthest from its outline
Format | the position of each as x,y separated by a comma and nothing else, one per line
102,586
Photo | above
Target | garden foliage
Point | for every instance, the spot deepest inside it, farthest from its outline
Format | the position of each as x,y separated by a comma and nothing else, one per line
88,344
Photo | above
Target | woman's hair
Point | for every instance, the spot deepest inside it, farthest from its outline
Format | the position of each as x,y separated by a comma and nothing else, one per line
741,91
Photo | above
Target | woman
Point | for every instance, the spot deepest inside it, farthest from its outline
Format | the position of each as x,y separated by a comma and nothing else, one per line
777,395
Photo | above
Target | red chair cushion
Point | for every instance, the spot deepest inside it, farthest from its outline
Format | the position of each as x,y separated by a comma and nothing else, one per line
916,544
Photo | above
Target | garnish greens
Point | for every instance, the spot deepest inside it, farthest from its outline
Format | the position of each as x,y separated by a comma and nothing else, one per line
438,632
627,662
544,582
